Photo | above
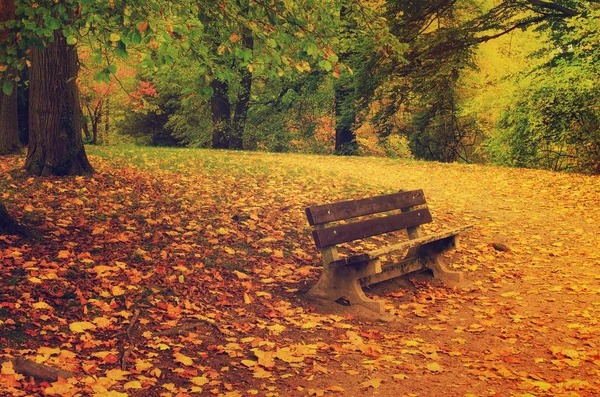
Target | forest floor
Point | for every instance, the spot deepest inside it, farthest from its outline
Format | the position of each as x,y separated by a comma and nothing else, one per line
182,272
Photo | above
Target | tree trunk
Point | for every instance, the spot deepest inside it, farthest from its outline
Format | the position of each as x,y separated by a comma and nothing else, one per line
221,114
106,111
23,107
236,139
9,127
55,142
345,100
345,114
9,123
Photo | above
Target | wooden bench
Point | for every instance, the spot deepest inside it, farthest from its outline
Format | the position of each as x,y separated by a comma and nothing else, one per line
342,277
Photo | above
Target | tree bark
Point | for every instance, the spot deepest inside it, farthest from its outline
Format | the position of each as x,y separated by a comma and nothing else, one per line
9,123
106,111
236,139
221,114
55,142
345,102
345,114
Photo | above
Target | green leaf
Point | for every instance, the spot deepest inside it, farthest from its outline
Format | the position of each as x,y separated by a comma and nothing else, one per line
112,68
325,65
102,76
135,37
71,40
7,87
53,23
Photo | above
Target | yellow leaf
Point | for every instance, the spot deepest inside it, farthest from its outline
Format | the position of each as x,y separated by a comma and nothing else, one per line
199,380
276,329
142,365
249,363
134,384
116,374
156,373
240,275
117,291
28,208
81,326
399,376
59,388
230,251
41,306
7,368
374,383
34,280
98,230
102,322
541,385
182,358
434,367
247,299
64,254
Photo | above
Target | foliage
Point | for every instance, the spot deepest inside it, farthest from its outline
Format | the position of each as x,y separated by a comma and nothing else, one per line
554,122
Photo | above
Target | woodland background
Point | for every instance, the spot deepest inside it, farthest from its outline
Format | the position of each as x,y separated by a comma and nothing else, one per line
503,82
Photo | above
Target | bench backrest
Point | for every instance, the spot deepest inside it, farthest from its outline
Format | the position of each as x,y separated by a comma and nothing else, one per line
410,218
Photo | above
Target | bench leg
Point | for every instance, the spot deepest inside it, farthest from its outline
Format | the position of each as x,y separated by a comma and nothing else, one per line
430,254
442,273
344,283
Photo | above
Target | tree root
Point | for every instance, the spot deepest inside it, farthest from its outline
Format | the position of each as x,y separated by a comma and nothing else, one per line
8,225
127,352
41,372
193,325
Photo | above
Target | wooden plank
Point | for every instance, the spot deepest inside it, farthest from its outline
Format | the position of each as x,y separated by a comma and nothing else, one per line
405,245
353,208
371,227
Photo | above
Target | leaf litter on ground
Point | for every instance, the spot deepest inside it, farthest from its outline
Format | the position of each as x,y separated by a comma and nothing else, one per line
212,251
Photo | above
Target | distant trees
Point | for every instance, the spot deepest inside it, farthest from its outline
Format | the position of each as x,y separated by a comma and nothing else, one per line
554,120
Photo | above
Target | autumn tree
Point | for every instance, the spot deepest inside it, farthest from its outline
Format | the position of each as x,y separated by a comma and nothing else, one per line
55,140
9,130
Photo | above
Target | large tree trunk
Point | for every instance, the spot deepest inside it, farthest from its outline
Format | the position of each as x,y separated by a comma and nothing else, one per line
221,114
55,141
236,139
9,127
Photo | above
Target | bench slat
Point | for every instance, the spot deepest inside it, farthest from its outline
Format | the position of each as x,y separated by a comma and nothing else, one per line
398,247
353,208
371,227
